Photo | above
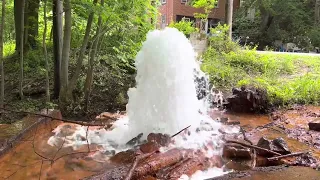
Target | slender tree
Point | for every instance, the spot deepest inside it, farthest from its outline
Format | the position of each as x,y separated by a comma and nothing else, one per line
89,78
18,10
21,49
317,13
85,41
230,13
31,23
45,49
2,27
65,53
57,45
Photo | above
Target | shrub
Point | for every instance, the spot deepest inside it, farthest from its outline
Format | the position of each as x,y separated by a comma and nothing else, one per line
184,26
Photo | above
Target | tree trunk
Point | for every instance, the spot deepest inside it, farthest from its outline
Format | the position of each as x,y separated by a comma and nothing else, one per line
77,72
2,27
21,49
230,13
57,45
65,53
31,23
45,49
18,10
89,78
226,12
317,13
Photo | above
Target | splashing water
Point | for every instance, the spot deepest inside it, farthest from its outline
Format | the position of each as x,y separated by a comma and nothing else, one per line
164,100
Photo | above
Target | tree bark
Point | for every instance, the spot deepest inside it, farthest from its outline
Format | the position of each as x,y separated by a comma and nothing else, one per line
77,72
230,13
89,78
65,52
18,10
31,23
57,45
45,49
2,27
317,13
21,49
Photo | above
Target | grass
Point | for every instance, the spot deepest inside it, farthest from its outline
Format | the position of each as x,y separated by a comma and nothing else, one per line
288,79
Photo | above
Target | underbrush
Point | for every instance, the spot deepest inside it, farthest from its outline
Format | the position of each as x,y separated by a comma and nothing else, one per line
288,79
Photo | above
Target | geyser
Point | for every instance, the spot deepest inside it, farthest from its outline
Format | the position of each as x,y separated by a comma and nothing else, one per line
165,98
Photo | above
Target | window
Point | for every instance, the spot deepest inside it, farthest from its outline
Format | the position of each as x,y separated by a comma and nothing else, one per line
216,5
184,1
163,1
186,19
163,19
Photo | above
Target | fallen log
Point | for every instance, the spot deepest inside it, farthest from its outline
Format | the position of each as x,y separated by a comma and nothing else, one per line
188,167
149,166
135,163
160,161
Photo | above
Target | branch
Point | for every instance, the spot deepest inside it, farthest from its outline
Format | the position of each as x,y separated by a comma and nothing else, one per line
254,147
287,155
180,132
254,152
82,123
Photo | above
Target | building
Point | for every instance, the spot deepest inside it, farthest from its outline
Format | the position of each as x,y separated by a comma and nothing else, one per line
176,10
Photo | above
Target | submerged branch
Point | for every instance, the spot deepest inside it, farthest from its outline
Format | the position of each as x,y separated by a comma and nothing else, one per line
255,147
285,156
82,123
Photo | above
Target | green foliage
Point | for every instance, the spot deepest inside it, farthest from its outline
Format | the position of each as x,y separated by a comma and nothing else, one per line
219,40
288,79
206,5
186,27
288,21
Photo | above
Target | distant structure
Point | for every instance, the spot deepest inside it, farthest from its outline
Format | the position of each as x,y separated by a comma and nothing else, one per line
178,10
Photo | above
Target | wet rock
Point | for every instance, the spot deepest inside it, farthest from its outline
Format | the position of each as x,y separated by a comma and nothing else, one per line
161,139
149,147
135,140
202,84
315,125
236,152
246,100
124,157
278,145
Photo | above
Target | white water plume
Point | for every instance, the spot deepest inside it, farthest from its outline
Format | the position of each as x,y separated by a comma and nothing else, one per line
163,101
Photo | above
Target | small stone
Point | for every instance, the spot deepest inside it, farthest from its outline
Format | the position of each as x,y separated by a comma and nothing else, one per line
315,125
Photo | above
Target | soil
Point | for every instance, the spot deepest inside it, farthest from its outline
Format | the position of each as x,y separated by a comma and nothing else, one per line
273,173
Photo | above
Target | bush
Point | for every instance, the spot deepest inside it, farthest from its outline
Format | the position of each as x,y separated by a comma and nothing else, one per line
184,26
219,40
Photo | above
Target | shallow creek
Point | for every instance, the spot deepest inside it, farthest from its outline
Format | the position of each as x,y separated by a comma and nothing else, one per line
32,157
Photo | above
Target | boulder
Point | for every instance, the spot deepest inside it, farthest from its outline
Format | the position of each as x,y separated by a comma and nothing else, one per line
247,100
277,145
315,125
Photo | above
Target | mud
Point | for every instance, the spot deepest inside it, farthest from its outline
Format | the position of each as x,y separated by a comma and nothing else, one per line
272,173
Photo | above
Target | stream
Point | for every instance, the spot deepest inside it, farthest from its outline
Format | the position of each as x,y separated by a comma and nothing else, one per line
24,162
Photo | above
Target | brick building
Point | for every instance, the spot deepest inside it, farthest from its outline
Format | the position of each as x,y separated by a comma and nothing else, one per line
176,10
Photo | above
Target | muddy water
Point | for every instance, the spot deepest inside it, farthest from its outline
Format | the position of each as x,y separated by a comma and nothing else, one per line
10,130
32,158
